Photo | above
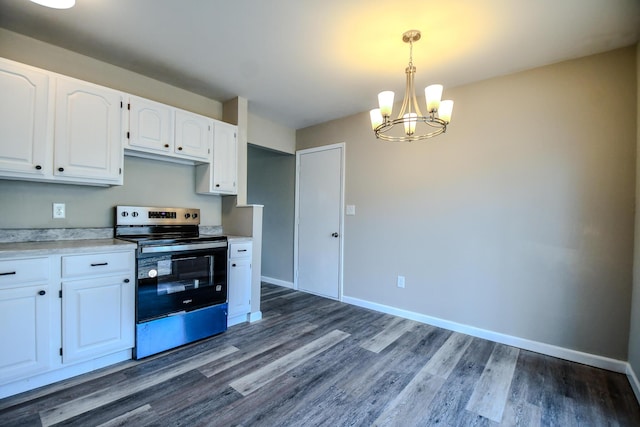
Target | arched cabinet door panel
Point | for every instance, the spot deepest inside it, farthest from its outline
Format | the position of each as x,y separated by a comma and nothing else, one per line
88,132
23,118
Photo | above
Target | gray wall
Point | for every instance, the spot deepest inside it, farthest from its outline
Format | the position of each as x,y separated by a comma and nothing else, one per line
634,336
271,182
146,182
518,220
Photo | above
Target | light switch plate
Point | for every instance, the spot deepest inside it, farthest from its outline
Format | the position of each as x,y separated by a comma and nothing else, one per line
351,209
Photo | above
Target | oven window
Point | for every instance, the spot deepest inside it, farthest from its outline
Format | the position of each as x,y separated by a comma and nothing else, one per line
174,274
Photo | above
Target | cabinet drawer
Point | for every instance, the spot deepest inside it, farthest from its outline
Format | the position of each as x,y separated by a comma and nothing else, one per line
97,264
240,250
16,271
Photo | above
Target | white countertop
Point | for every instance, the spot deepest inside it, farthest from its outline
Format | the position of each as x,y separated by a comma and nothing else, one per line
235,239
9,250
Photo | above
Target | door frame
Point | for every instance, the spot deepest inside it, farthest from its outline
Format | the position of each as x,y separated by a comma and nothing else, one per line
342,147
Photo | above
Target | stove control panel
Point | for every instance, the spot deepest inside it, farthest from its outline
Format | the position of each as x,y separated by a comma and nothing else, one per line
142,215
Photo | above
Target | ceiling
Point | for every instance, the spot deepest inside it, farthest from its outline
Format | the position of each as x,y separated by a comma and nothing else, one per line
301,63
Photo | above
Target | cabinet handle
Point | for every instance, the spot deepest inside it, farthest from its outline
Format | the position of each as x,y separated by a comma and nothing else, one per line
179,148
42,293
217,185
126,280
9,273
242,250
98,264
233,265
166,145
60,169
38,167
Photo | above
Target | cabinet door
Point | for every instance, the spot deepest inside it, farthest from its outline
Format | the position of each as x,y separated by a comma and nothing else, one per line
88,132
239,286
97,317
150,126
23,118
24,333
225,158
193,135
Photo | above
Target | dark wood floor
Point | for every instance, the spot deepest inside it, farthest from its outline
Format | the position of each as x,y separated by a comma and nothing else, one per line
318,362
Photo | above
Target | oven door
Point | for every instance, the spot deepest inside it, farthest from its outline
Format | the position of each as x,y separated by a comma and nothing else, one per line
179,281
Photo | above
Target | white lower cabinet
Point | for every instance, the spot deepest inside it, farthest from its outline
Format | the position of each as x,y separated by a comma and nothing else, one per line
63,315
97,317
239,282
98,297
24,334
25,313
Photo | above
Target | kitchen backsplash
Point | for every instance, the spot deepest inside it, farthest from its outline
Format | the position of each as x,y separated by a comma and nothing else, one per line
13,235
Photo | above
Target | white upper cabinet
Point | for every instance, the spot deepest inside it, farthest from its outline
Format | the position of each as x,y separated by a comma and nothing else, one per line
23,119
150,126
193,135
220,176
225,158
88,132
55,128
160,129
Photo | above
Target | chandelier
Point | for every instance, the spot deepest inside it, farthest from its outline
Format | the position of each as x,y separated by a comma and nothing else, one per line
415,125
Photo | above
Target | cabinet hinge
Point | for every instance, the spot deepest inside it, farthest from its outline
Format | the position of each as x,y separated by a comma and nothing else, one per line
128,106
59,294
128,137
121,105
120,171
60,351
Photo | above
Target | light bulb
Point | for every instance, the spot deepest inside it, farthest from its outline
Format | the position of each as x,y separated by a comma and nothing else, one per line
445,110
410,120
433,94
385,99
376,118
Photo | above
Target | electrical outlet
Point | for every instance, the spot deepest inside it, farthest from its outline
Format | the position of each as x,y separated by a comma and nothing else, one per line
401,281
59,210
351,209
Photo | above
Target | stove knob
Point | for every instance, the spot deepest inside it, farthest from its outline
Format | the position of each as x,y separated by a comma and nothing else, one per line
187,215
125,213
195,215
134,214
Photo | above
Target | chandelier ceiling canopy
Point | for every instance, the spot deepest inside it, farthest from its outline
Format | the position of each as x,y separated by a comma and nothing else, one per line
410,124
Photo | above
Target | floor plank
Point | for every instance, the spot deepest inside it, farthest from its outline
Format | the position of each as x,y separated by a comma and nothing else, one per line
490,394
252,382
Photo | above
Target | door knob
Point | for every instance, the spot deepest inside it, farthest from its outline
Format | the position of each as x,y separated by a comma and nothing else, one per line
334,234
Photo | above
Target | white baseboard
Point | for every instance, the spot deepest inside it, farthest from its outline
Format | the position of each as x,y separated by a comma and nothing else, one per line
614,365
633,380
278,282
255,316
236,320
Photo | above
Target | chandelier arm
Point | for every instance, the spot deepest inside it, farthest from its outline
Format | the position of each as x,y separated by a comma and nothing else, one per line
412,93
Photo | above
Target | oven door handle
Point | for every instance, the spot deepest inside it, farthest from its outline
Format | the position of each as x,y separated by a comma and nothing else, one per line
176,248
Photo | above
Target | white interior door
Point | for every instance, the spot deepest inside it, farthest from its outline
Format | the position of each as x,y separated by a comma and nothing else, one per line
319,220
